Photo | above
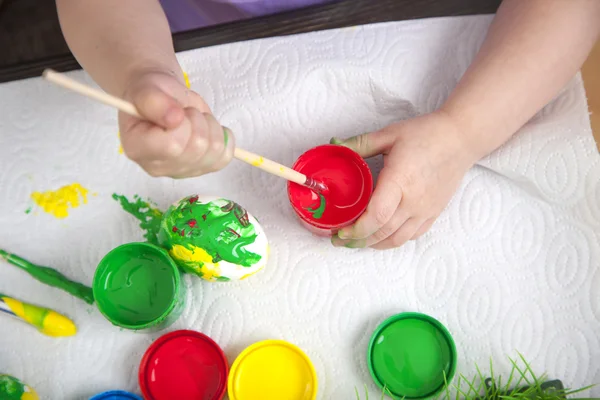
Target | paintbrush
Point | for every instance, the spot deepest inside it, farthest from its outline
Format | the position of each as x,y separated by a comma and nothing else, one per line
250,158
45,320
50,277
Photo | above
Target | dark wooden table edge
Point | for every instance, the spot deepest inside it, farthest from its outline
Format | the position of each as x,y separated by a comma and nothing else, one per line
335,15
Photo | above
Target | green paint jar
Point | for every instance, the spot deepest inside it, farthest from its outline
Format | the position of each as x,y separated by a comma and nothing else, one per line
137,286
412,355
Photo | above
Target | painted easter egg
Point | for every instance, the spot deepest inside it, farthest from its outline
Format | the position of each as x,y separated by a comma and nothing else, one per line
13,389
214,238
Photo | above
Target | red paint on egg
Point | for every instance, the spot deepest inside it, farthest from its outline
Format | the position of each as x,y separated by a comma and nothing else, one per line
349,182
184,365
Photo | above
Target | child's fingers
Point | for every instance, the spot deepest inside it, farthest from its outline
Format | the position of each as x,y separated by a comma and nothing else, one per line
146,142
382,206
220,149
206,150
424,228
157,106
401,236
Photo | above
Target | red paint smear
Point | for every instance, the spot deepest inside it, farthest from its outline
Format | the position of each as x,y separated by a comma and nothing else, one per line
183,365
346,175
174,229
192,223
193,199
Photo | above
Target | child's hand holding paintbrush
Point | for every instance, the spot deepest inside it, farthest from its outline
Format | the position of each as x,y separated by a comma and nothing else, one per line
205,155
176,136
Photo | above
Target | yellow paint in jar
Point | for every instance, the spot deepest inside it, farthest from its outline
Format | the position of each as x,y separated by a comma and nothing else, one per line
272,370
58,202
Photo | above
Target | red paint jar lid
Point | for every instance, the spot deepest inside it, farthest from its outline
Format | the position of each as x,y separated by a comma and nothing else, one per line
346,175
184,365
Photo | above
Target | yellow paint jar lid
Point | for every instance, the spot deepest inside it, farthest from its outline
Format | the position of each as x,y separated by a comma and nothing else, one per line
272,370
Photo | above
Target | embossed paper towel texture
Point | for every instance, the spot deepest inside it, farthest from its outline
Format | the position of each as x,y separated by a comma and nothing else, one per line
511,265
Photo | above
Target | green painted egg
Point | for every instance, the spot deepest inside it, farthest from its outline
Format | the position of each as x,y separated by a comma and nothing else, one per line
214,238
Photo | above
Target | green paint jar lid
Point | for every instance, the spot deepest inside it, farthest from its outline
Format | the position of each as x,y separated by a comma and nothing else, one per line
138,286
412,355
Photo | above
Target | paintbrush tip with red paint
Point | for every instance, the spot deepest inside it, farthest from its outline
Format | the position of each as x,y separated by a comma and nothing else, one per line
316,186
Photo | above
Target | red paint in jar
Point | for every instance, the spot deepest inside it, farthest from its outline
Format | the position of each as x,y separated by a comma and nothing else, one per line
183,364
349,182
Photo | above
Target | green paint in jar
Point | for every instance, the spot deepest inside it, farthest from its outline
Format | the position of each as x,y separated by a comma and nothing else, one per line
412,355
137,286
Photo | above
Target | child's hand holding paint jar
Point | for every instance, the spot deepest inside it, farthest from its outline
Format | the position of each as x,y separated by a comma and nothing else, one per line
425,159
521,66
181,138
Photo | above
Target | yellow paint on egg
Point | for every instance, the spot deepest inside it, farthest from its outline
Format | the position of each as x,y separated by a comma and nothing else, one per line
58,202
250,274
198,259
29,396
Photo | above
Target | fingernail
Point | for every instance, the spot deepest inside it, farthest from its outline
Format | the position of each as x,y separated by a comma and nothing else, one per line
335,140
343,234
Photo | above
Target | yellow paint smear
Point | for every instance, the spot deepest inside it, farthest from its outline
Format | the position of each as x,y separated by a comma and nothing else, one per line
258,162
199,258
120,145
59,201
29,396
187,79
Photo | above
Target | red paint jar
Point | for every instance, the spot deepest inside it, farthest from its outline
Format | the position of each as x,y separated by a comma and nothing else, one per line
184,364
349,182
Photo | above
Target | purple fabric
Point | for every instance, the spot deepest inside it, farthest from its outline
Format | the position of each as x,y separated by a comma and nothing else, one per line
184,15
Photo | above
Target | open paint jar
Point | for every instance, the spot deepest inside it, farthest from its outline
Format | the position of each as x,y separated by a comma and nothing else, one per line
138,286
349,182
183,365
116,395
272,370
412,355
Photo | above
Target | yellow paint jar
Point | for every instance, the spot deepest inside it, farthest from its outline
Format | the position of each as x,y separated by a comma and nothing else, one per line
272,370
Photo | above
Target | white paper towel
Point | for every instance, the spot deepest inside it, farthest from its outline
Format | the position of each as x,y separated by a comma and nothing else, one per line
511,265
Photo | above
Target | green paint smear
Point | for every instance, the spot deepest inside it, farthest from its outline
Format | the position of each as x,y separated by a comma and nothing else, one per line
317,213
11,388
226,136
148,216
28,210
35,314
220,227
50,277
137,286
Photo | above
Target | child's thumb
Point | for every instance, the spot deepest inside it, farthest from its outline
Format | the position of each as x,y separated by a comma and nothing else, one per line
367,144
158,107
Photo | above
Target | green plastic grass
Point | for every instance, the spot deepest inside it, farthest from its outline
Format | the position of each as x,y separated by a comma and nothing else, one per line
521,384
